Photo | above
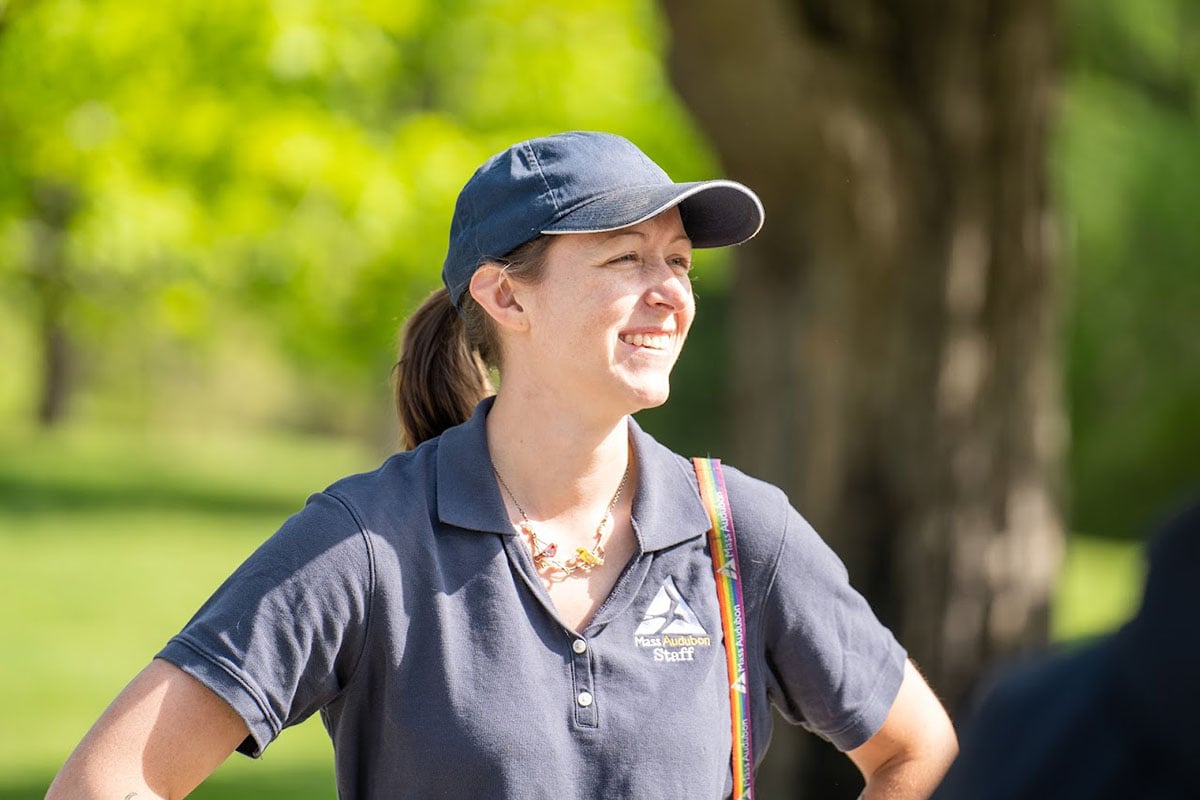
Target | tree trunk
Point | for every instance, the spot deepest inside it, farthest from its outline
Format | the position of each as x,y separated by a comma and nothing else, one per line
55,205
895,323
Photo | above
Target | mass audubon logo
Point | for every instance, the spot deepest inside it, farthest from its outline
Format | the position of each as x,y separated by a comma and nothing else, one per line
670,629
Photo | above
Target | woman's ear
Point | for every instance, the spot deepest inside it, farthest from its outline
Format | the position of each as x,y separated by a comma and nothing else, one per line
493,289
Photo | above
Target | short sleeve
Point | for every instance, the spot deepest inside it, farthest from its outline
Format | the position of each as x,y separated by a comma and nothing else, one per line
283,634
832,666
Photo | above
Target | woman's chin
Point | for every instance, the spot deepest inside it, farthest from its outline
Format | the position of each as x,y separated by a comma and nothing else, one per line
652,397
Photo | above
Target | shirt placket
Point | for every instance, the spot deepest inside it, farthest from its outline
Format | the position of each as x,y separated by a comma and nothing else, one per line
586,711
584,679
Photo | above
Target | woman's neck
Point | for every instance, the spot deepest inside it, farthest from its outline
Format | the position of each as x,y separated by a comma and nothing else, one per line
554,460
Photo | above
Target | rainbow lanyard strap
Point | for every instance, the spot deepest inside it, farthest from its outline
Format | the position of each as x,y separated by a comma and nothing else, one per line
733,618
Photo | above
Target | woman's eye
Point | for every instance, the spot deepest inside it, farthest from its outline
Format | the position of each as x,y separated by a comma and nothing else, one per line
682,263
625,258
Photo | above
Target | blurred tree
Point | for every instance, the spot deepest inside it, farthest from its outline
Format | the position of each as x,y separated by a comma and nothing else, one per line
896,322
53,207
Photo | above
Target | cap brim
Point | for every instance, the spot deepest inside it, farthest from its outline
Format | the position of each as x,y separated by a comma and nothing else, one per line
714,213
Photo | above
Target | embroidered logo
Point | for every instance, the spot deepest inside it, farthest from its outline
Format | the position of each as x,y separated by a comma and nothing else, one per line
670,628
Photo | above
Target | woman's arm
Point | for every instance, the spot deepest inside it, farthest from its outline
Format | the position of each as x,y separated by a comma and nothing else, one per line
907,757
162,736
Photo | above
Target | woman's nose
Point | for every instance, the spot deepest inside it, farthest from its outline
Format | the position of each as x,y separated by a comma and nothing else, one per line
672,288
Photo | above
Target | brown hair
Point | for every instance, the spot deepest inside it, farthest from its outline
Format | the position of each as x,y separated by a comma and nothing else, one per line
445,354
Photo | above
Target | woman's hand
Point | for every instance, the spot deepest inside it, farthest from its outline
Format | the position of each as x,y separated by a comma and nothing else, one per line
162,736
907,757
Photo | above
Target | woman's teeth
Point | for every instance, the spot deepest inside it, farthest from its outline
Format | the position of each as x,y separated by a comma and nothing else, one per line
654,341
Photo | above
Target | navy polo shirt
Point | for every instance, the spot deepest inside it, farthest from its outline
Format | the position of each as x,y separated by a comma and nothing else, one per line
402,606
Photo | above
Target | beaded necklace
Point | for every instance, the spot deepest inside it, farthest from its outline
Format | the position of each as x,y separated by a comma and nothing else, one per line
544,550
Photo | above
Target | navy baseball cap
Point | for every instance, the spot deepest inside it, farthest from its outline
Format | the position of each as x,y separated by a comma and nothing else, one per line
582,182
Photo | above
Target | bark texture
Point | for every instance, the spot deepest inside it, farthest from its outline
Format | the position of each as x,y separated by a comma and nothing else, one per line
895,323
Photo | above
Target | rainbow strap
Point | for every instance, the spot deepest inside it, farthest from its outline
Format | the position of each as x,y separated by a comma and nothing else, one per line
723,545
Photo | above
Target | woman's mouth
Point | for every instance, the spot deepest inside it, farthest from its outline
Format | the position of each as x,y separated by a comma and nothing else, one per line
650,341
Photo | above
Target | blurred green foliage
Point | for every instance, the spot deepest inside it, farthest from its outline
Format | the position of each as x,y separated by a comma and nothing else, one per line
243,200
1128,168
229,208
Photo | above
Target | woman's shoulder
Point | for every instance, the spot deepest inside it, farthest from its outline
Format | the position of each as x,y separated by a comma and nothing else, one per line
754,499
402,478
338,527
760,509
766,522
760,518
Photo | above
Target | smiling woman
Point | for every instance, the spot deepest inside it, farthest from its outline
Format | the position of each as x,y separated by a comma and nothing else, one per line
525,603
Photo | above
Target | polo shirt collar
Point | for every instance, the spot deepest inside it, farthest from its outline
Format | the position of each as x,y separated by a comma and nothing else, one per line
667,508
468,495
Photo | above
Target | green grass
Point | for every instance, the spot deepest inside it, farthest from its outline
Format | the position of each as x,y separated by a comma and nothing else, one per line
108,543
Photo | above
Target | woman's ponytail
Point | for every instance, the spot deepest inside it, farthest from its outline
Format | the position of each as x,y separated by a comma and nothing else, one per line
446,354
440,376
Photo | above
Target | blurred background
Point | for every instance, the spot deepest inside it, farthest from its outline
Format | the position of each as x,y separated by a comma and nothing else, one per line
965,342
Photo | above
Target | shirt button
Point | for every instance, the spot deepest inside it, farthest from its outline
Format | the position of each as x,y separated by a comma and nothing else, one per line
584,699
579,646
